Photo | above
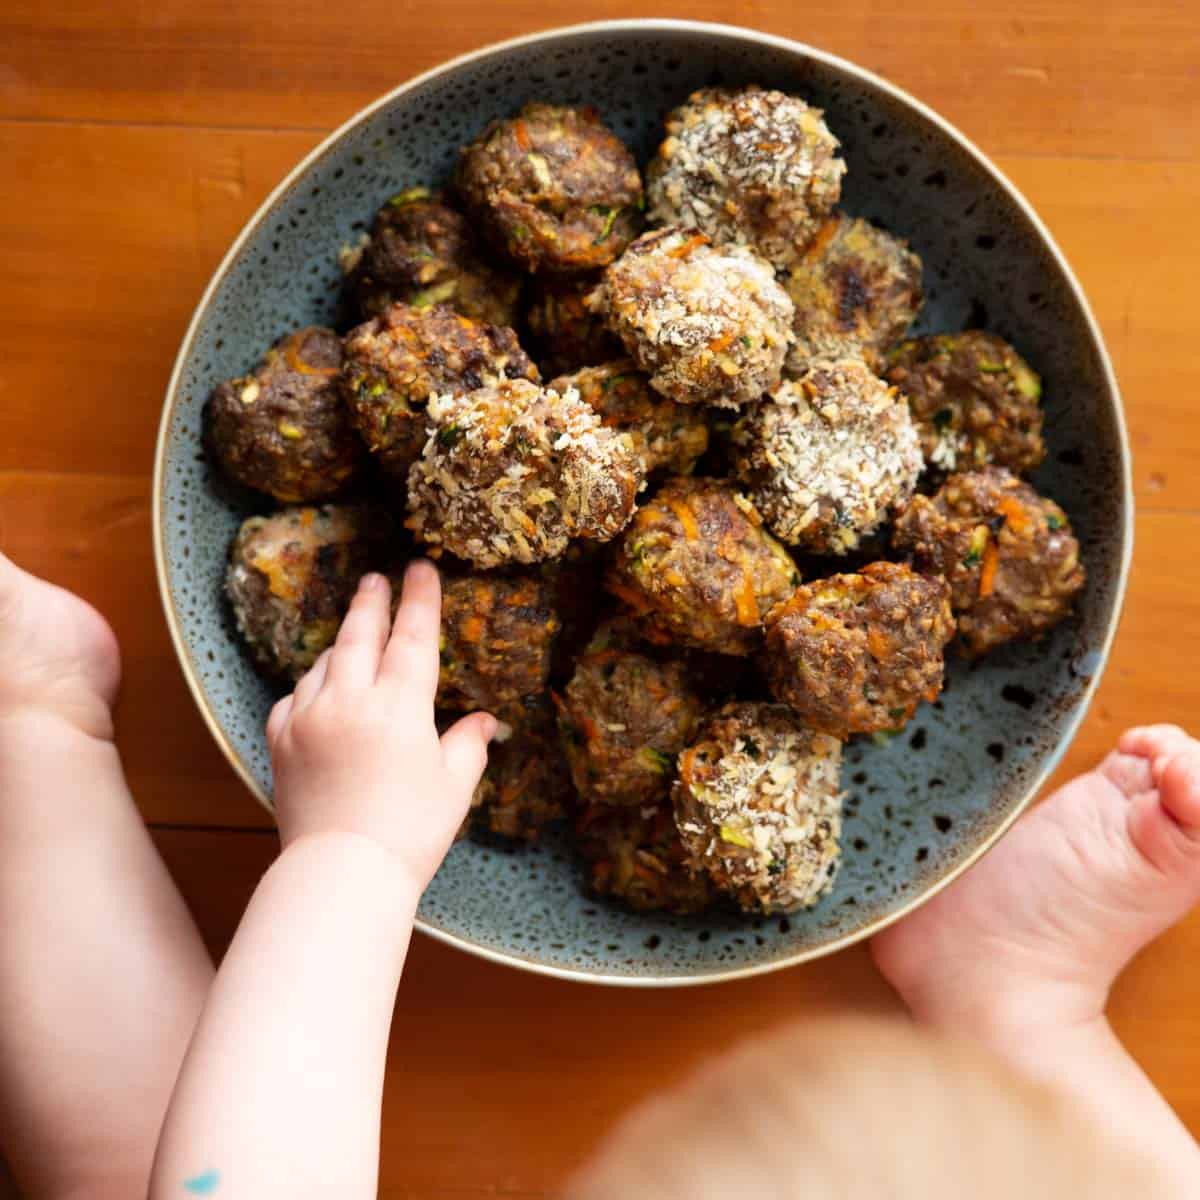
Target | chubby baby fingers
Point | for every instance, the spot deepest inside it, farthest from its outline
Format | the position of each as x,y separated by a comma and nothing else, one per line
354,661
278,719
464,750
411,658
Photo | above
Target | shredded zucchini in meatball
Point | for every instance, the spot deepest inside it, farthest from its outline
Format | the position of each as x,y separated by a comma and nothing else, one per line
828,457
697,568
749,167
511,473
857,653
708,325
634,855
856,289
669,436
1008,554
291,577
758,807
421,252
396,363
624,716
554,187
282,429
974,399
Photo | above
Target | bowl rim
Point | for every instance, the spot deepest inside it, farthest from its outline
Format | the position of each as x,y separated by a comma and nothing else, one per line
651,26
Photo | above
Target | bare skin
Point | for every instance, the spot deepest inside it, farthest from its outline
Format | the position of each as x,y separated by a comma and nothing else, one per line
281,1090
1020,954
102,972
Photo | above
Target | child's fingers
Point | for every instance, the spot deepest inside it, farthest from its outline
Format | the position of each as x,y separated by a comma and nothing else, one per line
278,719
308,687
464,749
411,657
354,662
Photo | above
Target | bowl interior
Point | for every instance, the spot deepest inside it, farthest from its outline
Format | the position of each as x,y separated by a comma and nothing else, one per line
918,807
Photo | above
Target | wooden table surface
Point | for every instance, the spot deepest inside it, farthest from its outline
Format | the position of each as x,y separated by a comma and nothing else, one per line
135,139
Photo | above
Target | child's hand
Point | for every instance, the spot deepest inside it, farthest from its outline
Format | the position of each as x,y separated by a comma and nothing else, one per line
355,749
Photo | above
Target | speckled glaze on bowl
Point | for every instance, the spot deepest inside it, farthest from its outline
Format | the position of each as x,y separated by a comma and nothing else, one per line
920,809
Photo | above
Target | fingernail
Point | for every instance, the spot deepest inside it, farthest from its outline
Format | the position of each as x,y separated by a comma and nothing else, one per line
370,582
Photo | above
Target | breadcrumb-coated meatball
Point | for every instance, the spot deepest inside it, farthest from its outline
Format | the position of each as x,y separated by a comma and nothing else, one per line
696,567
857,653
512,472
856,289
497,636
421,252
563,334
708,325
974,399
525,785
750,167
291,577
397,361
555,188
827,457
623,717
634,855
282,428
668,435
758,806
1008,554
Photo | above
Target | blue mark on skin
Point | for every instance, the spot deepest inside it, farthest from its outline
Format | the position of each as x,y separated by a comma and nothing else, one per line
203,1185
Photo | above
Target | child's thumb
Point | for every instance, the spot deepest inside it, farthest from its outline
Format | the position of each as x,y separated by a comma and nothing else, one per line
464,749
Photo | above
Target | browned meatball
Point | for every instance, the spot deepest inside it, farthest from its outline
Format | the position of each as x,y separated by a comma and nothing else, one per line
634,855
291,577
554,187
748,166
562,333
421,252
697,567
526,784
497,635
282,429
668,435
974,399
578,596
858,653
708,325
826,458
758,806
856,289
514,471
623,718
397,361
1007,553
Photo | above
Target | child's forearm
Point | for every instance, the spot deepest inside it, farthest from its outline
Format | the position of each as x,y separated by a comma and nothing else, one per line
102,971
281,1089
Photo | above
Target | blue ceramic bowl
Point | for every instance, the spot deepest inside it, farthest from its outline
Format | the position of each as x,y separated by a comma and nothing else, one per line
920,809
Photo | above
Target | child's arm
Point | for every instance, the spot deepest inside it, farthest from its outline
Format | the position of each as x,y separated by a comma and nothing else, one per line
280,1093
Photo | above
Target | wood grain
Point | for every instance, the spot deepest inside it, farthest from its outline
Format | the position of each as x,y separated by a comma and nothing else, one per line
136,139
1032,76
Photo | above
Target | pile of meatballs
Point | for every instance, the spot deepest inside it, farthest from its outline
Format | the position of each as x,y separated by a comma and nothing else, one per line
702,512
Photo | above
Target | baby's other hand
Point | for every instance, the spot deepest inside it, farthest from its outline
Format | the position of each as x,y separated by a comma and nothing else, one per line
355,749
